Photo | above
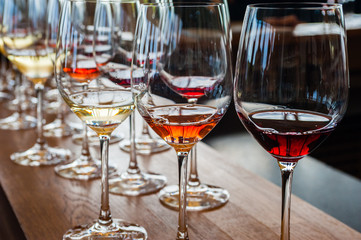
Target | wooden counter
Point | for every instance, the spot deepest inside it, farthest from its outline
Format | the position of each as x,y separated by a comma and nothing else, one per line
47,205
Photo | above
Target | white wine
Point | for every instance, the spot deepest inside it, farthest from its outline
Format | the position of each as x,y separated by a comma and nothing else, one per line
102,111
30,56
20,41
36,65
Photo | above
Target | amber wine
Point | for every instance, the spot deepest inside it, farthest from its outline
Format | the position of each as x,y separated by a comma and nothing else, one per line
102,111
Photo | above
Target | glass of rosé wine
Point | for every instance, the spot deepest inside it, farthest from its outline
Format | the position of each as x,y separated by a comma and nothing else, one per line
291,82
181,45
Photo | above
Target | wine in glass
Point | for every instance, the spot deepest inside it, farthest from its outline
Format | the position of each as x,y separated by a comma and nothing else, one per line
200,196
291,82
193,49
97,101
24,37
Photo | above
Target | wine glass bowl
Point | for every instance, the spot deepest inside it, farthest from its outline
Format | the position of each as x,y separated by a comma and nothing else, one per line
180,45
291,81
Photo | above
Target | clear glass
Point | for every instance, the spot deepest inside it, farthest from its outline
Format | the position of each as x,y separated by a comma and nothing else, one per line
25,32
113,55
97,100
200,196
185,52
291,82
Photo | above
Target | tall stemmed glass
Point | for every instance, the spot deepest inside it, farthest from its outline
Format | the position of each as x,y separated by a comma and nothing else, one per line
200,196
98,102
291,84
83,167
192,49
24,29
114,31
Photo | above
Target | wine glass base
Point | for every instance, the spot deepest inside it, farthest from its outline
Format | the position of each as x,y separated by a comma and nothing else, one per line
82,168
136,184
200,198
117,230
57,128
93,139
145,146
18,122
41,156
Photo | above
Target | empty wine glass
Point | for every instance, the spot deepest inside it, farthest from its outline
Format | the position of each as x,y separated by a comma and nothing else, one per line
193,49
200,196
99,102
24,38
291,82
113,55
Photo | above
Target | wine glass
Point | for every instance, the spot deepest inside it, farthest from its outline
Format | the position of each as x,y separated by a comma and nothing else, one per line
291,81
80,67
113,55
193,49
19,120
201,196
24,37
100,103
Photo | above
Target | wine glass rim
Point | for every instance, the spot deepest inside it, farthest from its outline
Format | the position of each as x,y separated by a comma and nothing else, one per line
296,5
182,4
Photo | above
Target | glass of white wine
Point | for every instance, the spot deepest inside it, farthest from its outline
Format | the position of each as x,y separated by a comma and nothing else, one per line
24,30
98,101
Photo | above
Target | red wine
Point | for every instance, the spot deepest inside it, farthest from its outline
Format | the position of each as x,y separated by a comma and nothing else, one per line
288,135
122,77
189,86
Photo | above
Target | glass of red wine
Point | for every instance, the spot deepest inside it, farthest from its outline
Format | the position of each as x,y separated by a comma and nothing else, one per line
113,50
193,52
291,82
201,196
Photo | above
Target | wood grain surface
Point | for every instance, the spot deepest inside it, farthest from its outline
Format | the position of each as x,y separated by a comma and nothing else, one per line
47,205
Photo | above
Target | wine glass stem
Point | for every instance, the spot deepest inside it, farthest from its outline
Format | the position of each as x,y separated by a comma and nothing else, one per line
18,95
193,180
39,89
85,145
105,216
287,169
182,218
133,164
